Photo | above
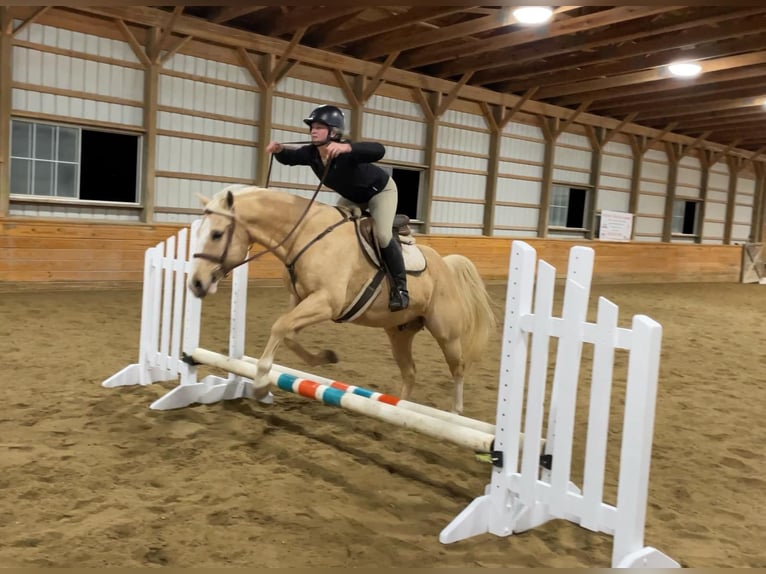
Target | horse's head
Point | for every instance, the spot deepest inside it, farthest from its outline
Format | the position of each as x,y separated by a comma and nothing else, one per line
222,244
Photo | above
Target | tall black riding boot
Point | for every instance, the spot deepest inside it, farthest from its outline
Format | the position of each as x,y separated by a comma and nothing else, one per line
392,257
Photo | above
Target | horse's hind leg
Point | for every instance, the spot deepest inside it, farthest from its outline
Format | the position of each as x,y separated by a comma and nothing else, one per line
450,344
401,347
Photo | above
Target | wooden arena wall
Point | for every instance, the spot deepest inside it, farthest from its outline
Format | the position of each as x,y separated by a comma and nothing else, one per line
54,253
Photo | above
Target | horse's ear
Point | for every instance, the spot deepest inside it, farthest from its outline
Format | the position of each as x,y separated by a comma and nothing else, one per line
203,200
229,199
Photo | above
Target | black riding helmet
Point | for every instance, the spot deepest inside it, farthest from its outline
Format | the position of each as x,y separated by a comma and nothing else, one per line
330,116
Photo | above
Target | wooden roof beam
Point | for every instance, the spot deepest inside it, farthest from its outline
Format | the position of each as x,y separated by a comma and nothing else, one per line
226,13
463,59
644,62
383,45
708,66
305,17
383,27
656,87
674,38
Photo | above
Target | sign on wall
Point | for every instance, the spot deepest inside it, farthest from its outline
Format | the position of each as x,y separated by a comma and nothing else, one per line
615,226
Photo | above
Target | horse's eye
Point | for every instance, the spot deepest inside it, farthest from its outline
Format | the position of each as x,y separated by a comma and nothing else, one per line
216,235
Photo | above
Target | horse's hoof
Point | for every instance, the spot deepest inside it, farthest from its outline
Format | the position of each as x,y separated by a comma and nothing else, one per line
329,356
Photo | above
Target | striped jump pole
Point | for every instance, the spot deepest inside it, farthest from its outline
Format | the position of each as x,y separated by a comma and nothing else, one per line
465,437
382,397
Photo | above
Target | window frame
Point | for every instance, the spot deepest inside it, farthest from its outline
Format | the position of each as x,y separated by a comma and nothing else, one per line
30,198
586,210
695,224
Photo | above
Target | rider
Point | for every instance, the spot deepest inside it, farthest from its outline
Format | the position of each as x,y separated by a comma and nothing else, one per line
353,175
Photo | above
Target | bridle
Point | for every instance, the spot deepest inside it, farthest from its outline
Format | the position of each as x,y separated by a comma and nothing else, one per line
222,270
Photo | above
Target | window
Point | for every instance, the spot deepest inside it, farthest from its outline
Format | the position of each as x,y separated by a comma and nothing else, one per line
684,217
568,207
71,162
408,186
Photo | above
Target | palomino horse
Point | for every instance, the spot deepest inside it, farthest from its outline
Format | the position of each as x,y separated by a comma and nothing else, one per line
448,297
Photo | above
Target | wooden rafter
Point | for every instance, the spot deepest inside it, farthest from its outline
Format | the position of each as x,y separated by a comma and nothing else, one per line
420,97
409,41
453,94
348,91
608,136
32,19
385,26
528,95
378,79
692,146
667,45
226,13
568,122
137,48
711,65
173,50
252,67
474,58
303,17
167,30
285,64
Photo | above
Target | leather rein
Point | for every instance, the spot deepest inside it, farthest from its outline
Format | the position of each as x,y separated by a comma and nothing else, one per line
222,271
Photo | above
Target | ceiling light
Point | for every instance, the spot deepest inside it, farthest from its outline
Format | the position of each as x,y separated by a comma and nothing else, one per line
532,14
685,69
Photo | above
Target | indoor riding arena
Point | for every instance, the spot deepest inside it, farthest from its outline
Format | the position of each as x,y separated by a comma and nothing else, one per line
598,167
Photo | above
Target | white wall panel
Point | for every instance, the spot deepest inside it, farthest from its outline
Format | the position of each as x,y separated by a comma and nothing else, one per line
569,157
211,69
77,42
653,187
206,126
520,169
320,93
740,233
462,140
461,161
713,232
648,225
656,171
617,165
76,108
522,217
518,191
717,196
569,176
447,212
613,200
395,106
715,211
459,185
618,149
464,119
376,127
187,155
524,130
620,183
205,97
576,140
651,205
526,150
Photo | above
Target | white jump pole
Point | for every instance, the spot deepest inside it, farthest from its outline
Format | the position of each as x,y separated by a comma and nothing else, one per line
473,439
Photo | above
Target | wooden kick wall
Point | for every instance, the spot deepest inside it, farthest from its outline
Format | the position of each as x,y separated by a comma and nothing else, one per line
53,253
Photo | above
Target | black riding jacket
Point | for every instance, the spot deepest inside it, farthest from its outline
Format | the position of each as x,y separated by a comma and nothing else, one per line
352,174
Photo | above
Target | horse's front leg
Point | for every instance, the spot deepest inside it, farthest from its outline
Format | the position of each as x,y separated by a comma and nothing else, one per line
312,310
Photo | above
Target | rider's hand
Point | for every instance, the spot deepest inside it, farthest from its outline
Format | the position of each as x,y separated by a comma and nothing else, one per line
274,147
334,149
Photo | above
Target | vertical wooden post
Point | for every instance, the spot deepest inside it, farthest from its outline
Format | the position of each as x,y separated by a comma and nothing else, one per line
357,108
151,90
735,165
674,157
758,203
432,134
597,139
704,158
494,119
6,77
551,132
637,145
265,111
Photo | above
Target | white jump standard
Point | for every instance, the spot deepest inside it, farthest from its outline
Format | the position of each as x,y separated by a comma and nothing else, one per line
530,479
